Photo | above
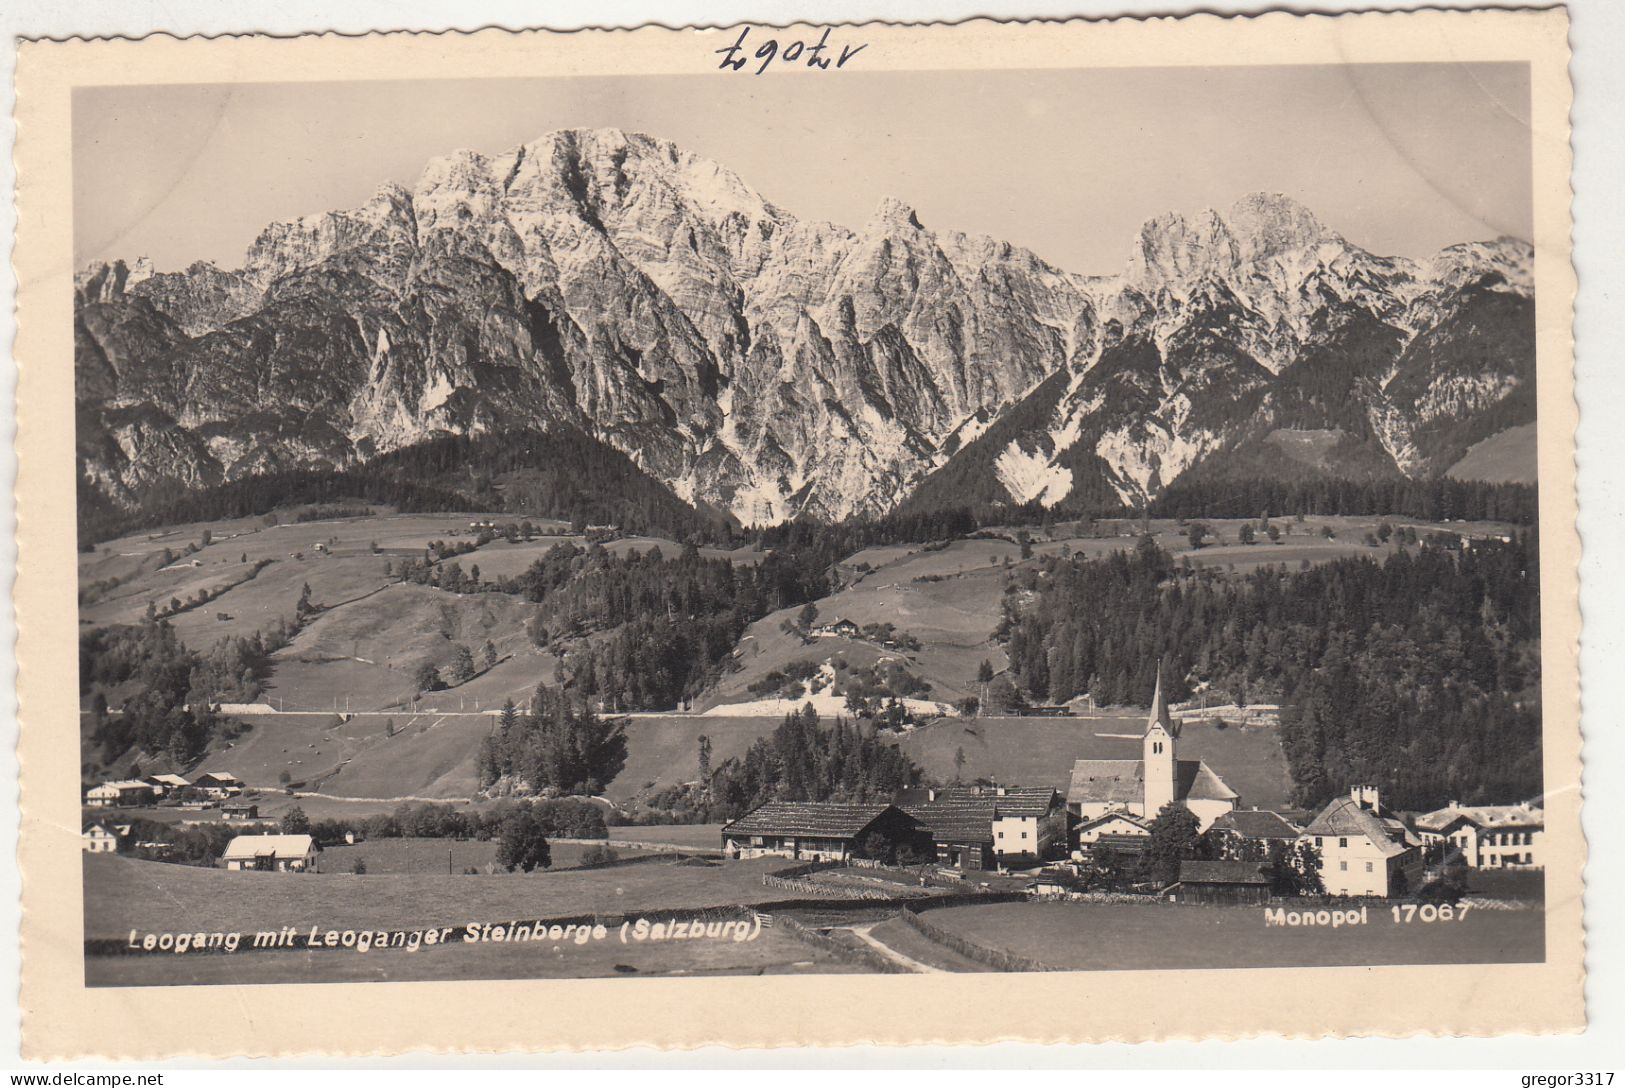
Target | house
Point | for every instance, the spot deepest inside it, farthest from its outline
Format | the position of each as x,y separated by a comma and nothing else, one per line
1020,825
239,811
1363,849
1112,829
1227,883
271,853
99,838
1489,836
166,783
1143,786
121,794
1240,827
819,830
839,627
1046,710
219,784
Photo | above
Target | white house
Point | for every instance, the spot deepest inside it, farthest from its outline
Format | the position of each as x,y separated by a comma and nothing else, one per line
1363,849
98,838
1111,826
119,794
1143,786
271,853
1489,836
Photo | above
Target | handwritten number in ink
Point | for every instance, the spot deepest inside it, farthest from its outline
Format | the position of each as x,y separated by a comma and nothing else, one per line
735,56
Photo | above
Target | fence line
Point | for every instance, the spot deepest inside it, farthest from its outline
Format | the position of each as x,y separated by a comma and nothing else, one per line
996,958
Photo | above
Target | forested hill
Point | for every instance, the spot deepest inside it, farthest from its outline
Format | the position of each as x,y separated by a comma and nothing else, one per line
1420,673
561,473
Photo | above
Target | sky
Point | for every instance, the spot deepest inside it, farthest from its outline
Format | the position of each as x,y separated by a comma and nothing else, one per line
1400,159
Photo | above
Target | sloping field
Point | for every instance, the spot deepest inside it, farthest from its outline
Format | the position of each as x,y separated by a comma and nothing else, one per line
430,755
664,752
123,894
369,650
1505,458
1040,751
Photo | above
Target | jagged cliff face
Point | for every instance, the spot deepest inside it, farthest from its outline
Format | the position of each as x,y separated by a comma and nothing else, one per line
765,364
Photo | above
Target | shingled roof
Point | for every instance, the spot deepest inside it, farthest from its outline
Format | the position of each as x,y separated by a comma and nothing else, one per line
1484,816
1345,817
826,819
1123,781
1256,823
1221,872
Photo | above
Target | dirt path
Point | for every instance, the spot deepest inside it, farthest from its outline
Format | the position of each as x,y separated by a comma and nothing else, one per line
914,965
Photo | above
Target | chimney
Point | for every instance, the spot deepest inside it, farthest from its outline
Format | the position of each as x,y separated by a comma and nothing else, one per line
1367,797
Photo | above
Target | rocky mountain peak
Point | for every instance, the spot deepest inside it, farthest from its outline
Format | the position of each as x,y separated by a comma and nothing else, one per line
892,215
1267,224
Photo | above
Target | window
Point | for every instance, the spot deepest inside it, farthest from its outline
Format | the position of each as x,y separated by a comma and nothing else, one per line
1343,866
1024,834
1317,840
1368,867
1342,844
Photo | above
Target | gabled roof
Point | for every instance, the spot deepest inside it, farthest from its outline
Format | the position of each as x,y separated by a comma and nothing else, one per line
1486,817
1110,780
1115,816
125,784
248,847
1123,781
168,780
224,777
953,822
1256,823
97,825
1221,872
1345,817
826,818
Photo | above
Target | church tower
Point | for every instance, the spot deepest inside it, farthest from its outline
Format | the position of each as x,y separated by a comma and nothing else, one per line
1158,752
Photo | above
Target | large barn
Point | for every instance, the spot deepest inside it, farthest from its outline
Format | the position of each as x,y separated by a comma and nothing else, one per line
822,831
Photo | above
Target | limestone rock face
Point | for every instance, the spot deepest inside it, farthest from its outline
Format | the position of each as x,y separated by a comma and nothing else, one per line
766,365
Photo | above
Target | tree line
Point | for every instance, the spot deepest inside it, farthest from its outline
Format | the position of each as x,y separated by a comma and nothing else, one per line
1420,672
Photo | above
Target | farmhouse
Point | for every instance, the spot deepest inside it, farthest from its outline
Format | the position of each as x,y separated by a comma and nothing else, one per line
219,784
1018,824
99,838
120,794
1143,786
240,811
839,627
1489,836
819,830
1119,830
1230,883
166,783
1241,826
1363,850
271,853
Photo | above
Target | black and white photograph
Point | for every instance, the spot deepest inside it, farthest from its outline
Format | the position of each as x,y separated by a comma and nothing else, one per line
804,514
614,527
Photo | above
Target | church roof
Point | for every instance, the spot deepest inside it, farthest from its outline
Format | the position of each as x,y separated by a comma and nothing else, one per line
1123,780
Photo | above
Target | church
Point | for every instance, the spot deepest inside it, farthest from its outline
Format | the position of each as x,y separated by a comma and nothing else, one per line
1143,786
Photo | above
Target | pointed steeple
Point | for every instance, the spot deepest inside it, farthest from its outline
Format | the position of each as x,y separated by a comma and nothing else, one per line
1159,710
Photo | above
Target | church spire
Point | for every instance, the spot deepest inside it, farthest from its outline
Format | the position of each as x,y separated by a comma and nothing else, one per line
1159,710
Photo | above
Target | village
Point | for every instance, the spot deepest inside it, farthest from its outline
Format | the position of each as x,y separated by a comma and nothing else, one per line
855,878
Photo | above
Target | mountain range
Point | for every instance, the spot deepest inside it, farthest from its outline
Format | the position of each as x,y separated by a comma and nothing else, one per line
772,367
